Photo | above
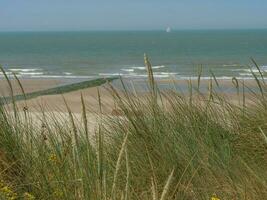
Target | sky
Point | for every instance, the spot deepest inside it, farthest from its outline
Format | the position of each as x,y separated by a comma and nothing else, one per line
75,15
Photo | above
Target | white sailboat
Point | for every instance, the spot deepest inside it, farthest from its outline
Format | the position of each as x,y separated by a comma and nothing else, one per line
168,30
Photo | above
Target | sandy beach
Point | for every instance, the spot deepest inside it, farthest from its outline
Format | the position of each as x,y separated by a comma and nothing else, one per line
29,85
55,103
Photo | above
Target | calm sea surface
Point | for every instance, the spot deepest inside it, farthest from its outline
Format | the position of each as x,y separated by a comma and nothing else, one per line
93,54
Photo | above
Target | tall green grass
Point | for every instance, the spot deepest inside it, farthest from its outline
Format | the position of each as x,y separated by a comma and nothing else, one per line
165,145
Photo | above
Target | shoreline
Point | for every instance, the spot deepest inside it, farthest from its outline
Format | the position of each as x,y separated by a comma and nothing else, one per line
35,87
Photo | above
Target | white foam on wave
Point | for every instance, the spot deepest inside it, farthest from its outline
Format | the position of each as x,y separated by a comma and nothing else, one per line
165,73
30,73
128,70
158,67
245,74
23,70
246,70
111,74
239,70
218,78
254,70
67,73
139,68
153,67
262,68
7,73
231,65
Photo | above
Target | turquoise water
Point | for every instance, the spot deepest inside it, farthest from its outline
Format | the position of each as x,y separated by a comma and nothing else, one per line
92,54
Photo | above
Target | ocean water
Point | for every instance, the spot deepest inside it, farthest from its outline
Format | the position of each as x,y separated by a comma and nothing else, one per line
96,54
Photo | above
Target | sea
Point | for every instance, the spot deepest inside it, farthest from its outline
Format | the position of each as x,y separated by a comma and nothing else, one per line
93,54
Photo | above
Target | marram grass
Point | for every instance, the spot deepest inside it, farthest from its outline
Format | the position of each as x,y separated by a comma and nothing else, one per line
166,145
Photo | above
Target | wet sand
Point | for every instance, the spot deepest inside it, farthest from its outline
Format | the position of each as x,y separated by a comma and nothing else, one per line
29,85
55,103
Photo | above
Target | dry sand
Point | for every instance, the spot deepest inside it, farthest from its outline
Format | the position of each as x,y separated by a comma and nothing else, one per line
73,99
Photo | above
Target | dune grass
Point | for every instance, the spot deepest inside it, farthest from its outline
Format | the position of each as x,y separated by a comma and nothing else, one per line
164,146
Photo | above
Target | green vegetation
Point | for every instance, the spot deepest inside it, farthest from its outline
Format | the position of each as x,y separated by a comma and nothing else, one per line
164,146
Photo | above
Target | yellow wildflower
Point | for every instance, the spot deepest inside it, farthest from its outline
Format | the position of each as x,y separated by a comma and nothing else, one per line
53,158
28,196
214,197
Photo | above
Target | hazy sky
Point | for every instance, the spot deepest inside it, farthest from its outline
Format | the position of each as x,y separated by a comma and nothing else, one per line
22,15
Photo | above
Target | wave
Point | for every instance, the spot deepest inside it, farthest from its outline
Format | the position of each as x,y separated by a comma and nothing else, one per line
262,68
231,65
30,73
128,70
62,76
67,73
239,70
111,74
140,68
166,73
242,76
7,73
135,75
153,67
245,74
175,75
218,78
23,70
158,67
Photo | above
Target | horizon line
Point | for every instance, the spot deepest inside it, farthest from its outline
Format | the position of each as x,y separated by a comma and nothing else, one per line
133,30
